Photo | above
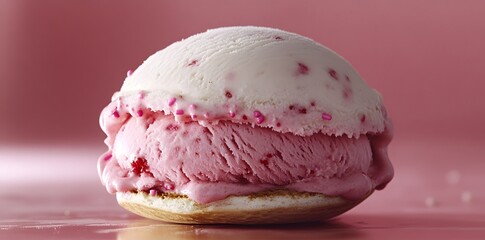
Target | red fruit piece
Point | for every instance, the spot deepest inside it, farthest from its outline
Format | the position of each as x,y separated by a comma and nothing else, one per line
172,127
265,159
193,62
333,73
228,94
139,166
302,69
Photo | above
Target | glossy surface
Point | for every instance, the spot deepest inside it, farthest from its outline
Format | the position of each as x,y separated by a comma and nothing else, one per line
43,197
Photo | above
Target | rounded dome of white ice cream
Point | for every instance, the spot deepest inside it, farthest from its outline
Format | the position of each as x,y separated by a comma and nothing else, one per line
262,76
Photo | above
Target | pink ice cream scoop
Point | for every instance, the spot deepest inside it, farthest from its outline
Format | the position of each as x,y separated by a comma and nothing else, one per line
244,125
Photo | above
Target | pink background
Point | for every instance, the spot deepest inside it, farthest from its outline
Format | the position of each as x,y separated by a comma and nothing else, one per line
60,61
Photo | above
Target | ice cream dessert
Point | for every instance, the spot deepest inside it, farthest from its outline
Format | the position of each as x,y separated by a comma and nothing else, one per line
244,125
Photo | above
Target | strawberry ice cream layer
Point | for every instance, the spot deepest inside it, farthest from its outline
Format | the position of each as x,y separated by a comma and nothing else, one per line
153,152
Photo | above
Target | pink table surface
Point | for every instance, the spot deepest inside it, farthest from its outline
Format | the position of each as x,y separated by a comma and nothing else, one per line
52,192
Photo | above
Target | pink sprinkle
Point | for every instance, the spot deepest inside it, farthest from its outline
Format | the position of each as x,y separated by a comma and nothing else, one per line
326,116
333,73
232,114
129,73
312,103
193,62
116,114
291,107
259,119
206,115
362,118
302,110
244,117
140,113
179,112
192,106
302,69
171,101
108,157
194,117
278,124
258,116
168,186
153,192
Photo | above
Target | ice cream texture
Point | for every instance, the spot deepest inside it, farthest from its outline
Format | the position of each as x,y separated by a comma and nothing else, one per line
239,110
